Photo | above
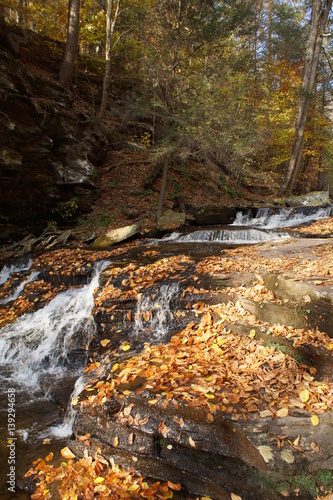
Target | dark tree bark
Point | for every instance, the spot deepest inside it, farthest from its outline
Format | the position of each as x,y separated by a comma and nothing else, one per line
67,69
319,16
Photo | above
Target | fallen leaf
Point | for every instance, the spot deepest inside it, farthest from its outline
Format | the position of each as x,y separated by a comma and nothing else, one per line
125,346
304,395
315,420
314,447
235,497
105,342
192,443
282,412
252,334
173,486
67,453
99,480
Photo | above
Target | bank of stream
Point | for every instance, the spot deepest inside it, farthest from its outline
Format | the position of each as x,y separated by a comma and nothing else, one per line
67,312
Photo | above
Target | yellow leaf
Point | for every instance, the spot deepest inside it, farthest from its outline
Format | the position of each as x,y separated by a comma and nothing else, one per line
152,401
49,456
125,347
99,480
67,453
209,379
282,412
192,443
133,487
115,441
105,342
314,420
47,441
210,396
304,395
330,346
252,334
115,367
235,497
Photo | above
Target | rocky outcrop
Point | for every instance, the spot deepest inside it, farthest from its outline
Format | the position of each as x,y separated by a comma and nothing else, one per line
46,150
314,199
208,215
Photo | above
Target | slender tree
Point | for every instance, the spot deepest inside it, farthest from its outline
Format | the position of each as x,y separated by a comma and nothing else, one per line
112,14
319,17
67,69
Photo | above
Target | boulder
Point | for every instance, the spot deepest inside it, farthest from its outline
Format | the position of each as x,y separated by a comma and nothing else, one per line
211,214
117,235
314,199
171,220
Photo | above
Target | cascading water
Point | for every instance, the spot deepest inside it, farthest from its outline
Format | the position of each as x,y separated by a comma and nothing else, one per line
19,288
227,236
6,271
267,225
38,345
272,218
153,314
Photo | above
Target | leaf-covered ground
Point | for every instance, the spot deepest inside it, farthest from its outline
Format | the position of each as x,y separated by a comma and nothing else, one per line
206,365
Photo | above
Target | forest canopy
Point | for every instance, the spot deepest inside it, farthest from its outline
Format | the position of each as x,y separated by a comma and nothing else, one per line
216,81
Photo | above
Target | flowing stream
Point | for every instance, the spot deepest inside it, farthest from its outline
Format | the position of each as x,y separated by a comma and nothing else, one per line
42,354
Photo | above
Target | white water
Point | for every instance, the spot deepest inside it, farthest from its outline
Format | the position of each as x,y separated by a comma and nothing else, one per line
6,271
20,288
153,313
65,429
262,227
38,345
270,218
231,236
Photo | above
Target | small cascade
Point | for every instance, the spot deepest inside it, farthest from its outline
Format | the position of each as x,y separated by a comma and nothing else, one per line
154,314
235,236
7,271
39,345
20,288
272,218
65,428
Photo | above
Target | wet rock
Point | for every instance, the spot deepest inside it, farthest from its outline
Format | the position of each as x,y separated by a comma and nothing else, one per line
45,150
314,199
171,220
209,215
117,235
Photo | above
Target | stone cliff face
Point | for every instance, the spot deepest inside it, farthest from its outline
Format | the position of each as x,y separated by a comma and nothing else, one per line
46,149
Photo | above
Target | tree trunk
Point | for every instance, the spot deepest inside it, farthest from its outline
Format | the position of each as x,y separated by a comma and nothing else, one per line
163,187
319,16
67,69
110,24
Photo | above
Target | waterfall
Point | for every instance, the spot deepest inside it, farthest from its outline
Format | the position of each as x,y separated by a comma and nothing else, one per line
271,218
66,427
39,344
20,288
6,271
153,313
227,236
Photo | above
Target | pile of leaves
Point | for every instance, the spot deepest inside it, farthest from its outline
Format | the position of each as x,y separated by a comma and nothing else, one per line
212,368
94,477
